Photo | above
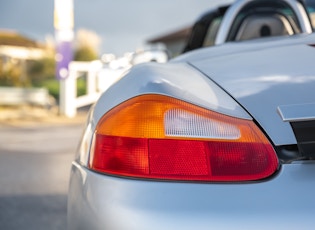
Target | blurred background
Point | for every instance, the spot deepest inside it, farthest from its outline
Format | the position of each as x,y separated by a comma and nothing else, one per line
39,132
28,39
99,40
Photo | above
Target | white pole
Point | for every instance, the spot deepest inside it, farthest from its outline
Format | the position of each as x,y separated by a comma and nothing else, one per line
63,23
68,94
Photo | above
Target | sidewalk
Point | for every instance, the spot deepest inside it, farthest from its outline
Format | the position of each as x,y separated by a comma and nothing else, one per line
27,116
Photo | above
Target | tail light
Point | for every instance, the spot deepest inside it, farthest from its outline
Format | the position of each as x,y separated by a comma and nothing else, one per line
158,137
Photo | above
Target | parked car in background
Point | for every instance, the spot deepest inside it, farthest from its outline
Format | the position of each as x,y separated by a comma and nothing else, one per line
113,68
221,137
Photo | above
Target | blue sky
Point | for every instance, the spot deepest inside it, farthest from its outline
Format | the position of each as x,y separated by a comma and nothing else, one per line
123,25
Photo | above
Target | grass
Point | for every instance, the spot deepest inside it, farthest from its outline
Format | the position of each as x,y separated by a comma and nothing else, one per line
53,86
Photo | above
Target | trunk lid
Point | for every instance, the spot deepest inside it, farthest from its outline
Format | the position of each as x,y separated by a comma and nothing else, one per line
262,80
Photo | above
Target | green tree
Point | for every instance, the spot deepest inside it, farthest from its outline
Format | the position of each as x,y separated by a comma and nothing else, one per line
10,73
85,53
40,70
86,45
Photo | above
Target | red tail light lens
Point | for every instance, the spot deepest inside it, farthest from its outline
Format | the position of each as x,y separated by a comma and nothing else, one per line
159,137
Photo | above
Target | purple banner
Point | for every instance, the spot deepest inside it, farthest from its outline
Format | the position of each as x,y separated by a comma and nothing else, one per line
64,55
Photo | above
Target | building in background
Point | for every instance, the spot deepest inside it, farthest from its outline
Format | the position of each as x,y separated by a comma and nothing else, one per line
17,46
174,41
15,51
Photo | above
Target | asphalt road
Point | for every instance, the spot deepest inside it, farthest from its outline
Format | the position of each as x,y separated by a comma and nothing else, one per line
35,163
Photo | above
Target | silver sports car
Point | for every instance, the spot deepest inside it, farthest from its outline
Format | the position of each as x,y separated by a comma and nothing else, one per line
217,138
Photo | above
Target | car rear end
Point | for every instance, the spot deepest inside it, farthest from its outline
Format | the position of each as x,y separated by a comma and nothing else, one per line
284,201
236,152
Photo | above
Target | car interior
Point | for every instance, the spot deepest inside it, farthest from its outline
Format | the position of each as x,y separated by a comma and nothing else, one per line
256,19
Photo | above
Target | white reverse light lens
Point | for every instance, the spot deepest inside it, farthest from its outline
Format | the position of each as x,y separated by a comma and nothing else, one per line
181,123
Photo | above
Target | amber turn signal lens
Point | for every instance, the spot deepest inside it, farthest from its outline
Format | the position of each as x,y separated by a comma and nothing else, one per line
159,137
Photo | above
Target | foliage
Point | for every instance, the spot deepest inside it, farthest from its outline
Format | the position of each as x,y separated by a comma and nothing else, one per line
10,73
14,39
85,53
86,45
40,70
53,86
41,73
22,73
81,86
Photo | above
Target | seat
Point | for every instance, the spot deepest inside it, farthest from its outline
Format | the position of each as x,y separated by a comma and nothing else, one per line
257,26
